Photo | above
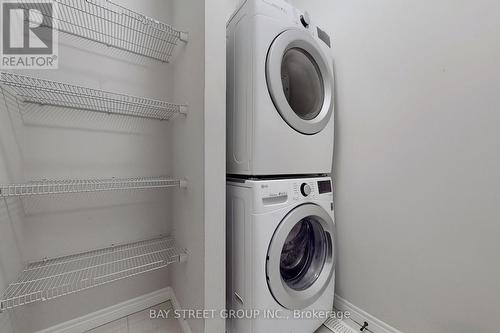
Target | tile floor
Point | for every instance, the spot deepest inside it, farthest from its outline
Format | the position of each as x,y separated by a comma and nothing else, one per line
141,323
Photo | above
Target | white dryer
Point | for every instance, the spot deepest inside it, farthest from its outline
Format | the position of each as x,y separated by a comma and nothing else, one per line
280,88
280,254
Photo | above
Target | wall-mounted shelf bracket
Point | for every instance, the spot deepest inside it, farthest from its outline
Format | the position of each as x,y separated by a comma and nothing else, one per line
184,36
183,257
183,183
184,110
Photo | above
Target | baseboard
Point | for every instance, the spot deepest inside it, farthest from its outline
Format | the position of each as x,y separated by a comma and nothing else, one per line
118,311
375,325
182,322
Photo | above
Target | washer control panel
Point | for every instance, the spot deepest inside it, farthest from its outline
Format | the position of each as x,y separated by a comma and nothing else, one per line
285,191
275,193
305,189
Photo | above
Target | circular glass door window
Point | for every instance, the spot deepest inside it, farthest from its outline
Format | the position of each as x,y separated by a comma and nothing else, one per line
302,83
303,255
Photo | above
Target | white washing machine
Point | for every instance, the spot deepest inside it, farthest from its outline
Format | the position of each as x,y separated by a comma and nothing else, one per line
280,255
280,88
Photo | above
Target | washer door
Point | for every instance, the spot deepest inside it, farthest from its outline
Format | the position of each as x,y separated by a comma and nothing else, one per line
300,81
300,259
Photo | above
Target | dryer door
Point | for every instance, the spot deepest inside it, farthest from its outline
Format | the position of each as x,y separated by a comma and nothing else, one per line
300,81
300,260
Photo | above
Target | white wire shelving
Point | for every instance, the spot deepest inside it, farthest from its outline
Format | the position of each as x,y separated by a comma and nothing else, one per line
52,278
107,23
33,90
46,187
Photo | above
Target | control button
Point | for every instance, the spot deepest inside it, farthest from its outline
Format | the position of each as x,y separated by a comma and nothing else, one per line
305,189
305,20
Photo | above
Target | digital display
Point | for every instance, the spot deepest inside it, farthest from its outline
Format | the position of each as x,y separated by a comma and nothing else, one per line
325,186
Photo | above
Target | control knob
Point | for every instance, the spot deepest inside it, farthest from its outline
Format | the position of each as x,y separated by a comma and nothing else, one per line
305,20
305,189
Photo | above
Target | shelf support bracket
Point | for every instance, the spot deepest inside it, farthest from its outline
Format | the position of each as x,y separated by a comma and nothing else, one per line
183,257
184,36
183,183
184,109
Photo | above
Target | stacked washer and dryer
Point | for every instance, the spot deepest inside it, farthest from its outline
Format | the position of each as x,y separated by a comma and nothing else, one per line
280,133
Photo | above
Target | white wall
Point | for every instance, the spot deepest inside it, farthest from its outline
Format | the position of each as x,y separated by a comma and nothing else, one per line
215,162
417,159
188,151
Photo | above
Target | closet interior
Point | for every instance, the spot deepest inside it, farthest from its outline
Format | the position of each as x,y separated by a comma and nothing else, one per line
102,169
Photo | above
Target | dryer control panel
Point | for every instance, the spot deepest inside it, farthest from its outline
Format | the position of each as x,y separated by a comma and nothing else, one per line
282,8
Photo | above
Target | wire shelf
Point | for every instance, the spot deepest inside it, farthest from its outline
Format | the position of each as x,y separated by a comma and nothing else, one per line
45,187
52,278
107,23
45,92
